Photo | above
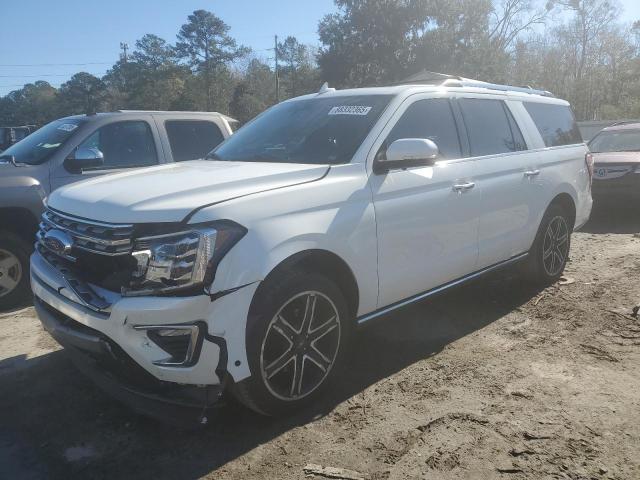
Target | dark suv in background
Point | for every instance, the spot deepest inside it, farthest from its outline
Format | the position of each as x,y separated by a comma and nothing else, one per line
78,148
11,135
616,155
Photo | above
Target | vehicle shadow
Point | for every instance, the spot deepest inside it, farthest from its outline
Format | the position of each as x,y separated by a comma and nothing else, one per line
16,308
610,216
55,424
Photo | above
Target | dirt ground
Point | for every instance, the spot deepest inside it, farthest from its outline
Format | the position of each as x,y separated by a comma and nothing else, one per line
492,380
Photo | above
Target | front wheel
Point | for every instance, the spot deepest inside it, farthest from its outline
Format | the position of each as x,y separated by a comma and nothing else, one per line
550,252
14,270
297,333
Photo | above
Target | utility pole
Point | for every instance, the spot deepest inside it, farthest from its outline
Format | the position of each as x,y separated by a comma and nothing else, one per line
277,78
123,56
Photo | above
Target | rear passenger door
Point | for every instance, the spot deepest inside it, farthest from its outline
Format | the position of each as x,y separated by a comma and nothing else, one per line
192,139
501,170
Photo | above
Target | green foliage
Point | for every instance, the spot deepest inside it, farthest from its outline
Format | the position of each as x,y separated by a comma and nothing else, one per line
581,53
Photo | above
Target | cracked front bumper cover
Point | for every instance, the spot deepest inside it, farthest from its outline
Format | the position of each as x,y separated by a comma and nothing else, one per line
121,377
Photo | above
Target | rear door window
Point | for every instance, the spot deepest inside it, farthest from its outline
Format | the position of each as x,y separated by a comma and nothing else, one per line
490,127
432,119
124,145
192,139
556,123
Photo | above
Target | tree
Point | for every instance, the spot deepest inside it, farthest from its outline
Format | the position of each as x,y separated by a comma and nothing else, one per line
206,45
293,54
154,53
254,93
35,103
83,93
370,42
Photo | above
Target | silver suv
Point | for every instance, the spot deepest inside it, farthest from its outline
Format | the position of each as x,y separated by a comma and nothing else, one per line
81,147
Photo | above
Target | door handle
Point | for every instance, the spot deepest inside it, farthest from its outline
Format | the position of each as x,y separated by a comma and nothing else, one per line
463,187
531,173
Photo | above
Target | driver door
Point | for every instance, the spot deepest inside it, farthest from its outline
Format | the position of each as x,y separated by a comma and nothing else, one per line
123,145
427,217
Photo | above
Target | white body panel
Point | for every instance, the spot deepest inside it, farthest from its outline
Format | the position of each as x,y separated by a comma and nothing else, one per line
400,233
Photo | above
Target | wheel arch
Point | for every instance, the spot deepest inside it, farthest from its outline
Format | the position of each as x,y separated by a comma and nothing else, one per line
20,221
326,263
568,204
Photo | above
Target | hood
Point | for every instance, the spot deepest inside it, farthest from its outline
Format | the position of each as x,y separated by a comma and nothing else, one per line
168,193
616,157
21,187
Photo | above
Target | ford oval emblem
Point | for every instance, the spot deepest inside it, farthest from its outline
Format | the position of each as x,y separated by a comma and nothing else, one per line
58,242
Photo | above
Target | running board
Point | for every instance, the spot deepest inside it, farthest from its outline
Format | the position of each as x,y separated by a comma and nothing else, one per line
428,293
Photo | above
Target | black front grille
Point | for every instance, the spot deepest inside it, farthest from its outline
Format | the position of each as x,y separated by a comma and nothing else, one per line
100,254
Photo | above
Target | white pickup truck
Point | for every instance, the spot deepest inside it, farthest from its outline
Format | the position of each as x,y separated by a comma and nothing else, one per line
249,271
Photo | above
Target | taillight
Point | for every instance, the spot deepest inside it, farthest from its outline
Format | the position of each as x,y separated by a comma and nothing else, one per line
588,159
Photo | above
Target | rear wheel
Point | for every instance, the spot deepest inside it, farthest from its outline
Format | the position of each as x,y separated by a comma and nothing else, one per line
14,270
296,336
550,252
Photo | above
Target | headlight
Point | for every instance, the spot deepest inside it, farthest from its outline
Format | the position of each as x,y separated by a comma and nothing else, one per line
181,261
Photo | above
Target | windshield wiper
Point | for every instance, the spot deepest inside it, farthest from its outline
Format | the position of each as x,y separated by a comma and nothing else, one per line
12,160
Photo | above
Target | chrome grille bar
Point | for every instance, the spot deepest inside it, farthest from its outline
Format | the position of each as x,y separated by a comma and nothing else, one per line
88,235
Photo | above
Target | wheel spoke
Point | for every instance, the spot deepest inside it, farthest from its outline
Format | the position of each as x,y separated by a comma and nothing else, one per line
309,312
318,358
298,373
319,332
7,282
278,364
285,329
9,262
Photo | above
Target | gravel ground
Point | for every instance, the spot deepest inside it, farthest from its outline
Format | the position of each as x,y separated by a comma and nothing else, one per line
492,380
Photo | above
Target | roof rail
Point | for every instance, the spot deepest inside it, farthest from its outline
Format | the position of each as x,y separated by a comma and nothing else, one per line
467,82
623,122
434,78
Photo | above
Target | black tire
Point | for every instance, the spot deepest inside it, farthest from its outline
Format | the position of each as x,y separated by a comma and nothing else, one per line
14,247
550,251
270,342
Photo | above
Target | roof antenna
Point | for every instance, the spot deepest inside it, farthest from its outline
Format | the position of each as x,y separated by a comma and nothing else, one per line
325,88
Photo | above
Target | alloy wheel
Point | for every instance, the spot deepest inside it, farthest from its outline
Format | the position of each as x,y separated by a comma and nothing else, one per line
300,346
555,247
10,272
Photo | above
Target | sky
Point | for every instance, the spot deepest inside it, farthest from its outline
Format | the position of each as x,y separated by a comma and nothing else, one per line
52,40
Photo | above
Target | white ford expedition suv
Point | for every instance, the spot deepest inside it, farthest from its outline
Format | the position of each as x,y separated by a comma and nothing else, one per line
248,271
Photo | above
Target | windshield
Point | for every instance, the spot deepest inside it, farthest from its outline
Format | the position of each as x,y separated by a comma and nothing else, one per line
317,131
616,141
41,144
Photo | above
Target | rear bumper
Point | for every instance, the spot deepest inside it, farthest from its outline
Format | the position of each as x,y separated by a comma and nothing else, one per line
627,186
116,373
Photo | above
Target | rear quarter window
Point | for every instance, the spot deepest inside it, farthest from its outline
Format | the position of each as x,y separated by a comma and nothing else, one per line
192,139
556,123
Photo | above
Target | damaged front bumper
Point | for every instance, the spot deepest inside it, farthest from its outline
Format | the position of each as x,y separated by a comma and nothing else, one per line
120,350
116,373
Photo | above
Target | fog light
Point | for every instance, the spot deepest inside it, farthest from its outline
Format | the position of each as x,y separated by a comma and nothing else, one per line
181,342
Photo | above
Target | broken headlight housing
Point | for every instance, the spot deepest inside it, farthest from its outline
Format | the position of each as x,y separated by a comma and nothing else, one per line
183,261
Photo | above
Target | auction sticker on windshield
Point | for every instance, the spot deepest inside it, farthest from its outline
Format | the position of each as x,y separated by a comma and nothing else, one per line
68,127
350,110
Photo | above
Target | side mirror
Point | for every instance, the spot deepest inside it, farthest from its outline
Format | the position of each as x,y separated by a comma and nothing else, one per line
408,152
84,158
